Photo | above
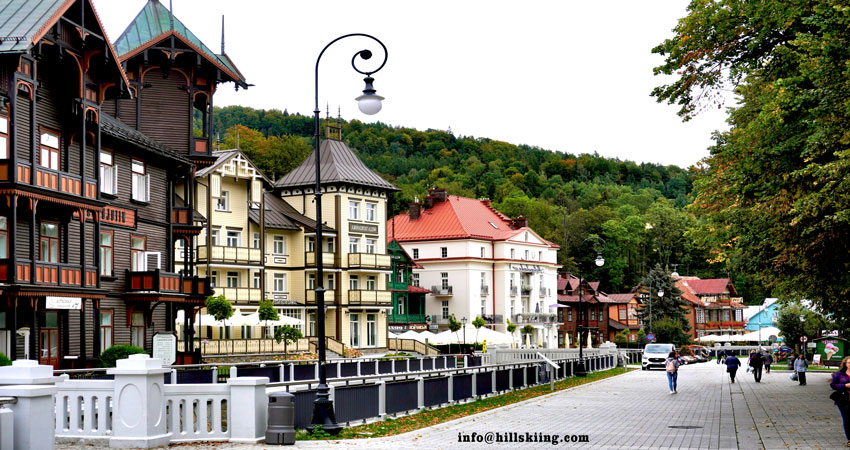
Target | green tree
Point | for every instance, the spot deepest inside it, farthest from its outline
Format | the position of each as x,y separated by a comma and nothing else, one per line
622,338
267,312
669,306
219,307
478,323
287,334
454,325
795,320
669,330
511,330
641,338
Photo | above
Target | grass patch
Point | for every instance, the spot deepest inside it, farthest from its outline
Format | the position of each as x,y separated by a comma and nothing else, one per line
427,418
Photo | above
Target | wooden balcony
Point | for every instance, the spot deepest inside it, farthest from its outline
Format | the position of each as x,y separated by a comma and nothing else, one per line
237,255
407,318
167,283
181,215
328,259
49,274
240,295
374,298
330,297
54,180
369,261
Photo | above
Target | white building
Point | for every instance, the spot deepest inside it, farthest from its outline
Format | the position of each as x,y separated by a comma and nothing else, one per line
479,263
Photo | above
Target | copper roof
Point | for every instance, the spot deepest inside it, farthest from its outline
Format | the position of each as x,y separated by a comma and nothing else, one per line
282,216
339,165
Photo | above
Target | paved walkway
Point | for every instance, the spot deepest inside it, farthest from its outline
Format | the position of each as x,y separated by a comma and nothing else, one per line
636,411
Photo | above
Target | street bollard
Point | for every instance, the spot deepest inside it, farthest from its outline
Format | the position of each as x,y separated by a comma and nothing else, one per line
281,429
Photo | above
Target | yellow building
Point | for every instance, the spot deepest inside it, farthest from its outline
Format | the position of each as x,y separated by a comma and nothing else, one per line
355,260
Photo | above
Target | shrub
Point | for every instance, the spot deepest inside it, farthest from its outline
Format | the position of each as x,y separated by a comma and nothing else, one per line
116,352
4,361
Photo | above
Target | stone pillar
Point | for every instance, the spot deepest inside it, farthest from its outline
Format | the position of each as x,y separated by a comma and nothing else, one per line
250,404
139,403
33,417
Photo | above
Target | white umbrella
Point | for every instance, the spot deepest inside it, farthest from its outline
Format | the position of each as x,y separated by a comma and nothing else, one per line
410,334
715,338
766,332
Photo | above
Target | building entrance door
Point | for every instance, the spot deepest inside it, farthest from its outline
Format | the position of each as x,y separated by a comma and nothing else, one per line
49,352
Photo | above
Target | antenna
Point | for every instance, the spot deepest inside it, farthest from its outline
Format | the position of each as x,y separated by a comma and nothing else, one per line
222,34
171,13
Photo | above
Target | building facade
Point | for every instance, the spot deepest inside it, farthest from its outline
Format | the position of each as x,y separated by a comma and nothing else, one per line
715,307
408,311
477,262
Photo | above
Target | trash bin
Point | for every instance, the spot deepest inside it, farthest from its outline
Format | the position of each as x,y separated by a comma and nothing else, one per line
791,359
281,427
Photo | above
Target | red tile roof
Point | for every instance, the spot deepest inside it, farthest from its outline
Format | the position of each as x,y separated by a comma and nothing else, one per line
417,290
455,218
621,298
710,287
688,293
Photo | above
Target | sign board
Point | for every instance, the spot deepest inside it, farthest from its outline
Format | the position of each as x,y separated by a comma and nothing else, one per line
832,349
811,345
816,359
64,302
434,327
165,347
362,228
829,333
407,326
651,337
804,339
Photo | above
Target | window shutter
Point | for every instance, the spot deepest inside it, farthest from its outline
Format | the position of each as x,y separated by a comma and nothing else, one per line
256,191
215,186
147,188
114,179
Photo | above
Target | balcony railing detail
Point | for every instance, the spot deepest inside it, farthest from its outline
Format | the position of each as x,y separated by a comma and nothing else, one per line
182,215
493,318
526,289
328,259
370,297
369,260
53,274
537,318
240,295
407,318
441,291
330,296
59,181
221,253
166,282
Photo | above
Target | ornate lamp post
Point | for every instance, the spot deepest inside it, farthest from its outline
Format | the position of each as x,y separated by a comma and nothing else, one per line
598,245
369,103
660,294
463,321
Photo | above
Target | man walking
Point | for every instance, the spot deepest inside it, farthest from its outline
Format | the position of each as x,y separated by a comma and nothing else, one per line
768,360
756,362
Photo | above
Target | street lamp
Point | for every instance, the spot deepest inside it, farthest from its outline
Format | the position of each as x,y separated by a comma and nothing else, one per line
803,344
660,294
463,321
369,103
598,245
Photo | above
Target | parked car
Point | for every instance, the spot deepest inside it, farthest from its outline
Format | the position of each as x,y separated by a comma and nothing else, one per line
655,354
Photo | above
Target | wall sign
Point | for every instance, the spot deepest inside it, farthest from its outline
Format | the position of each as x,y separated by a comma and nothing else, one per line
64,302
113,215
165,347
362,228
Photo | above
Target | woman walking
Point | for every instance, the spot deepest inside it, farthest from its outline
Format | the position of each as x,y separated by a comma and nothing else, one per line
800,365
732,365
671,364
841,384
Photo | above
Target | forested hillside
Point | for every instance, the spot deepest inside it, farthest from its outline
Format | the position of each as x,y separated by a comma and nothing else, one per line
638,209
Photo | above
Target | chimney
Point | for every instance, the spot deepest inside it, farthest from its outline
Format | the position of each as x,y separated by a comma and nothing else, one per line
415,208
429,202
486,202
520,222
439,195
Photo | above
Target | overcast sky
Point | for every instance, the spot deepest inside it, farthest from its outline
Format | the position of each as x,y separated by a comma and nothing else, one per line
572,76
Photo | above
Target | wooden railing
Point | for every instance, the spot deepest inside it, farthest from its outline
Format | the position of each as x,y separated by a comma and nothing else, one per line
331,344
55,180
369,260
222,253
330,297
55,274
328,259
407,318
159,281
182,215
411,345
246,346
370,297
240,294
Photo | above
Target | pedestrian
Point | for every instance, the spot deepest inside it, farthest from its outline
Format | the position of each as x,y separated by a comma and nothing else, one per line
756,363
800,365
671,364
721,355
732,365
841,384
768,360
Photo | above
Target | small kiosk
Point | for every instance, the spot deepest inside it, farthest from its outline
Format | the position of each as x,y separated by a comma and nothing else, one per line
831,350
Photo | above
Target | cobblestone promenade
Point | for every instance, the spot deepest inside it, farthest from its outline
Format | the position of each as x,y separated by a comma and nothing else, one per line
636,411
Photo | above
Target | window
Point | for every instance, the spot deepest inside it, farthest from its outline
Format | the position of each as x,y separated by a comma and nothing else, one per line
105,329
279,282
4,238
256,279
137,329
371,284
138,259
141,182
482,252
526,255
233,238
483,306
311,281
700,315
354,245
106,256
444,307
623,314
232,279
108,173
49,150
371,212
400,308
214,278
353,210
354,329
4,137
223,202
371,335
311,244
311,324
256,240
330,284
329,244
279,245
444,252
353,282
415,279
540,255
569,315
214,236
513,254
415,253
444,280
370,245
50,242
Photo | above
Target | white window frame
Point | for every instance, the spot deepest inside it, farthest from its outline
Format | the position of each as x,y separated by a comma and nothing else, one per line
371,245
371,212
279,283
223,202
279,245
141,181
232,279
354,209
371,283
354,282
236,237
415,279
108,173
354,329
255,277
353,245
311,281
214,235
256,240
371,330
311,244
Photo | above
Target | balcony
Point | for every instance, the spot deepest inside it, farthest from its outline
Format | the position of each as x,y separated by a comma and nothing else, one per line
729,325
493,318
407,318
442,291
54,180
485,290
514,291
240,295
543,292
238,255
165,282
526,290
330,296
382,298
328,259
536,318
182,216
50,274
369,261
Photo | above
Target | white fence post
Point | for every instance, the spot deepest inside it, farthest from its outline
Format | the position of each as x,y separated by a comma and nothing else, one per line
33,420
7,432
139,403
420,392
382,398
250,405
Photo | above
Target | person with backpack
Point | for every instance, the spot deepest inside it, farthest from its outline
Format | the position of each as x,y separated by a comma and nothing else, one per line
756,363
671,364
732,364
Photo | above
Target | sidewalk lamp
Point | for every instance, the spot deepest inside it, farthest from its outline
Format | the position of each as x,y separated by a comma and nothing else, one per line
598,245
369,103
463,321
660,294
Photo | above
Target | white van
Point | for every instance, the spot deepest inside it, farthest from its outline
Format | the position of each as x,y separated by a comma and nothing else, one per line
655,354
